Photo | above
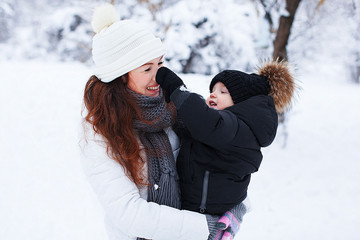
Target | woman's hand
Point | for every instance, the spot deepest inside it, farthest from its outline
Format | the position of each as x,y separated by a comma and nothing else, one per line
168,81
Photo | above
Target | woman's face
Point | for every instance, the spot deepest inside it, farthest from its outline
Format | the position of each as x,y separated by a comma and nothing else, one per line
142,79
220,97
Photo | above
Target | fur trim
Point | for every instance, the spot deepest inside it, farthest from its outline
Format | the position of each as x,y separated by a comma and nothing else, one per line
103,17
282,83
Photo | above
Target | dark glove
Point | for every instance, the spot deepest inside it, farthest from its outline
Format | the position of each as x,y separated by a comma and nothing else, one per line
168,81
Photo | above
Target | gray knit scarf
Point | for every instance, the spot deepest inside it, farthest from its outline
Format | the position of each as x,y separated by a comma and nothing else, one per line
164,181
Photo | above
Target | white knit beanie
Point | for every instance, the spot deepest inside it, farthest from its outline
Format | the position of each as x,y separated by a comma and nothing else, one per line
120,46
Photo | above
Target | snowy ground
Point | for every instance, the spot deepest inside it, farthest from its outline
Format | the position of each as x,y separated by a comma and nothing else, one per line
308,189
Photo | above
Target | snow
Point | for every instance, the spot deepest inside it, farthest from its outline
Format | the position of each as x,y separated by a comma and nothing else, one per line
44,194
308,184
307,187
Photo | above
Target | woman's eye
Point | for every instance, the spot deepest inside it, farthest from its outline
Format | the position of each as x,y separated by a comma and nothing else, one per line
161,63
147,70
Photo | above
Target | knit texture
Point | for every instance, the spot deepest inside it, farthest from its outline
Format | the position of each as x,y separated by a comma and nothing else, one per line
120,46
241,85
164,181
211,221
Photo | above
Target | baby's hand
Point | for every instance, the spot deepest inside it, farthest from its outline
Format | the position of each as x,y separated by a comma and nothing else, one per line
168,81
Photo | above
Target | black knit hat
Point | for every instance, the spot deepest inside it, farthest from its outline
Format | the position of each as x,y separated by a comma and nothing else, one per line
241,85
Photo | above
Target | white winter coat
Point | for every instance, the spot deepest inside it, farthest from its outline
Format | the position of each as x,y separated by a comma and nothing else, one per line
127,213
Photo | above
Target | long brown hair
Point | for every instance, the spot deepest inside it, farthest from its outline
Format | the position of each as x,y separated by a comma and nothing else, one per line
111,110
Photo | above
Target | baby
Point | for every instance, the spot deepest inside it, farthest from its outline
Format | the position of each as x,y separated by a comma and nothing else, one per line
222,137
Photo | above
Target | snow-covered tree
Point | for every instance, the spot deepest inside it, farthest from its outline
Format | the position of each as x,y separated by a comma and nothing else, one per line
328,31
6,20
68,34
209,36
200,36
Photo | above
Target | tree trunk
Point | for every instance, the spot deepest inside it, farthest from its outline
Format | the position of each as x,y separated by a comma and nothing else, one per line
283,31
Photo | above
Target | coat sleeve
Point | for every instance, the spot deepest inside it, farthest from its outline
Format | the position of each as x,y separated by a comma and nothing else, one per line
127,211
207,125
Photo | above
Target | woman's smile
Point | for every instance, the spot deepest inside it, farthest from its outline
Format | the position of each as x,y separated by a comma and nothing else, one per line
142,79
153,88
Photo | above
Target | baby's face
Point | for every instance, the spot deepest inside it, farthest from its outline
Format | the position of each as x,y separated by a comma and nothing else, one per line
219,98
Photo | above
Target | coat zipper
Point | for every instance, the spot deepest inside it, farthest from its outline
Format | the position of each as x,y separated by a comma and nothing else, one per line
204,192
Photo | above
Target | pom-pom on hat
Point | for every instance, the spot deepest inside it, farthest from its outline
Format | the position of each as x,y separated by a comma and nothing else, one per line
120,46
283,85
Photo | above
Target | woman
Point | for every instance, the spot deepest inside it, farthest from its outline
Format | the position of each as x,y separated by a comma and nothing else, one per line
130,149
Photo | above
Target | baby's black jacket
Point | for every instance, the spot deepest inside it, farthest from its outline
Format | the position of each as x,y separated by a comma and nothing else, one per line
220,149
